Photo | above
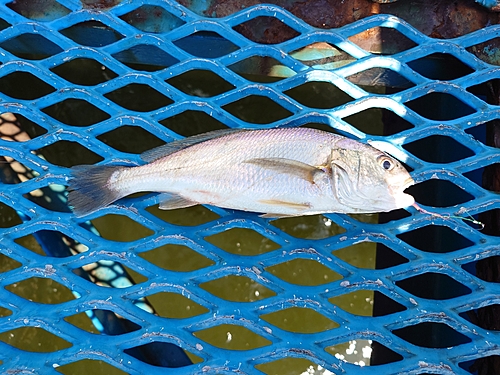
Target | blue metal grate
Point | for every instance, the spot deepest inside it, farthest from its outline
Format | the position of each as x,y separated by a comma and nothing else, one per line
427,331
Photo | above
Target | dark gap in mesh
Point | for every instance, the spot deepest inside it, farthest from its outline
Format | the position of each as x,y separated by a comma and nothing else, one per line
439,193
201,83
31,47
39,10
375,40
485,365
440,66
41,341
485,317
257,109
92,34
432,285
152,19
378,121
76,112
191,122
260,69
41,290
145,57
161,354
139,97
129,138
8,264
438,149
236,288
84,71
440,106
69,154
321,95
242,241
206,44
431,335
266,30
300,320
377,79
8,216
435,239
15,84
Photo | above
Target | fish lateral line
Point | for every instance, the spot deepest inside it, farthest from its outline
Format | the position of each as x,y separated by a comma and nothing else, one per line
447,217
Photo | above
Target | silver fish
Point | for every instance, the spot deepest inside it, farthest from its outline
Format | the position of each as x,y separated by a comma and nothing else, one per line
277,172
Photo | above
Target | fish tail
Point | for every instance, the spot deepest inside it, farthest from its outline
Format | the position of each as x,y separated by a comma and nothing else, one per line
91,187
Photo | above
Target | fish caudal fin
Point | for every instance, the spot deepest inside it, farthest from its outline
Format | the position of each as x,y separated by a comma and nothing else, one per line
90,188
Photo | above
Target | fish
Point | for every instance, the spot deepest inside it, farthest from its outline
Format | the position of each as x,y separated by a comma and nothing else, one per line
277,172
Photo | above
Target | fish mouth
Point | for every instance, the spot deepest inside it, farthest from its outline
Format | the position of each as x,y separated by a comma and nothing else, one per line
407,183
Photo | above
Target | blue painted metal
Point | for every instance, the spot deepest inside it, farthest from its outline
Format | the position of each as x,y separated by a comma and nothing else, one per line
114,35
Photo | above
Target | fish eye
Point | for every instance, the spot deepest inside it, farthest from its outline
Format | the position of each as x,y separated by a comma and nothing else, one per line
386,163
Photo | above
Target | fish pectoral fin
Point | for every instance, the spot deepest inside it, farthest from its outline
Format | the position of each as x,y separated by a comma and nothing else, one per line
288,166
173,201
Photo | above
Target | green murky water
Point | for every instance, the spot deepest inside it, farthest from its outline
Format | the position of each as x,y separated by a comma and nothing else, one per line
244,242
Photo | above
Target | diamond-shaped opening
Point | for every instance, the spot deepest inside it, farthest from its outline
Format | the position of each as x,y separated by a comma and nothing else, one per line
163,354
177,258
300,320
242,242
314,227
232,337
34,339
4,24
8,216
487,269
480,131
263,69
145,57
376,40
60,245
237,289
40,10
439,193
257,109
304,272
90,366
49,197
13,172
112,324
291,366
190,216
490,219
84,71
108,273
190,122
486,365
483,50
431,335
439,149
4,312
152,19
139,97
99,4
363,352
485,317
202,83
440,106
435,239
323,55
376,80
364,303
486,173
432,285
175,306
82,321
41,290
18,128
120,228
483,90
206,44
370,255
440,66
92,34
266,30
70,111
15,84
132,139
69,154
319,95
8,264
31,47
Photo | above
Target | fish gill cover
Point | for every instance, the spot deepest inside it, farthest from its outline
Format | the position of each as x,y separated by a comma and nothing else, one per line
134,289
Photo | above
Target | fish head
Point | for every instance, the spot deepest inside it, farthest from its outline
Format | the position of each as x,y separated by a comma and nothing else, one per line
367,180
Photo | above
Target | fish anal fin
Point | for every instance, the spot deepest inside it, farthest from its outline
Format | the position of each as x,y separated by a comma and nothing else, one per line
298,207
276,216
288,166
173,201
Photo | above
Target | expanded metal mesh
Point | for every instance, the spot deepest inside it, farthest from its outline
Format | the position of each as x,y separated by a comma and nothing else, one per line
87,84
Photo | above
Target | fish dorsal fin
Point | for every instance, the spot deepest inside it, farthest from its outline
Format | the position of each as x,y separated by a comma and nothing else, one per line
288,166
169,148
